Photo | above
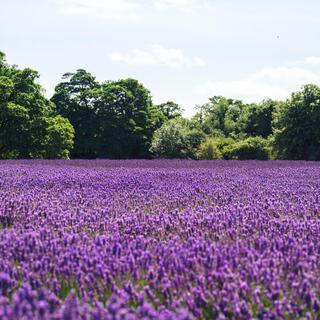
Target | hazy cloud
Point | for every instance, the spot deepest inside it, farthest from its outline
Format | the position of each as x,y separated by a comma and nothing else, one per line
157,55
312,60
276,83
108,9
125,9
186,5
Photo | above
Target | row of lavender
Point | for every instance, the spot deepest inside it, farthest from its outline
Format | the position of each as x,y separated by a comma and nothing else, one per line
159,240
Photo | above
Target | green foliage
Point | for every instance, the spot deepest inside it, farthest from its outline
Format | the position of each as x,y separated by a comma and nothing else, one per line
296,126
127,119
75,99
169,141
6,88
223,142
176,139
60,134
26,115
67,286
257,118
248,149
232,118
193,138
220,116
170,110
209,150
115,119
15,127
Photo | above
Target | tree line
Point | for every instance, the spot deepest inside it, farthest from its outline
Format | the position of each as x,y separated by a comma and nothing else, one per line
89,119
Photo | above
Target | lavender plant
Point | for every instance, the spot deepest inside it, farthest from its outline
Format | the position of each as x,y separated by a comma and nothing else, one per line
159,240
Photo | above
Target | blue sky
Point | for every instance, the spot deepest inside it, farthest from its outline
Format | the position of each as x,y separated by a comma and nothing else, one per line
182,50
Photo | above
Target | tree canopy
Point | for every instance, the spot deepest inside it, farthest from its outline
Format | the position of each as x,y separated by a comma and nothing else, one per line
297,125
86,118
27,117
114,119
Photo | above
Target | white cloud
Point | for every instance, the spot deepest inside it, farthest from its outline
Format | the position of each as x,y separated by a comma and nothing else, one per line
124,9
276,82
108,9
312,60
157,56
185,5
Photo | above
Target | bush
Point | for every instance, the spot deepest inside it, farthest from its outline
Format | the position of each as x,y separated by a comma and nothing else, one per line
193,138
208,150
253,148
223,142
176,139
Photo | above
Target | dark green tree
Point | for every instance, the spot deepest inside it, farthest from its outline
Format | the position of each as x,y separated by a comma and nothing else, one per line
115,119
25,114
170,110
134,116
232,126
296,125
15,124
257,118
75,99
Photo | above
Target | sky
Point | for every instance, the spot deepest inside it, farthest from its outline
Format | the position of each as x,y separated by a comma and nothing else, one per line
182,50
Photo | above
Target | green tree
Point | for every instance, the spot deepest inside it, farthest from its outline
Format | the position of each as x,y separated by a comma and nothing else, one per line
24,113
170,110
296,125
135,118
220,116
126,118
75,99
14,130
257,118
176,139
59,136
232,118
115,119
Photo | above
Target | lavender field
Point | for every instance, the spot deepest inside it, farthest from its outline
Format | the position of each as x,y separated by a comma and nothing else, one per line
159,240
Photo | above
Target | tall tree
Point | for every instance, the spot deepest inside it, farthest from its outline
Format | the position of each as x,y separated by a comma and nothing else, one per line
296,125
219,116
138,119
75,99
232,118
25,114
170,110
115,119
257,118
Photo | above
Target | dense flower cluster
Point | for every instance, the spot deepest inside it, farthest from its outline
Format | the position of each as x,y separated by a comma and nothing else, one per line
159,240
